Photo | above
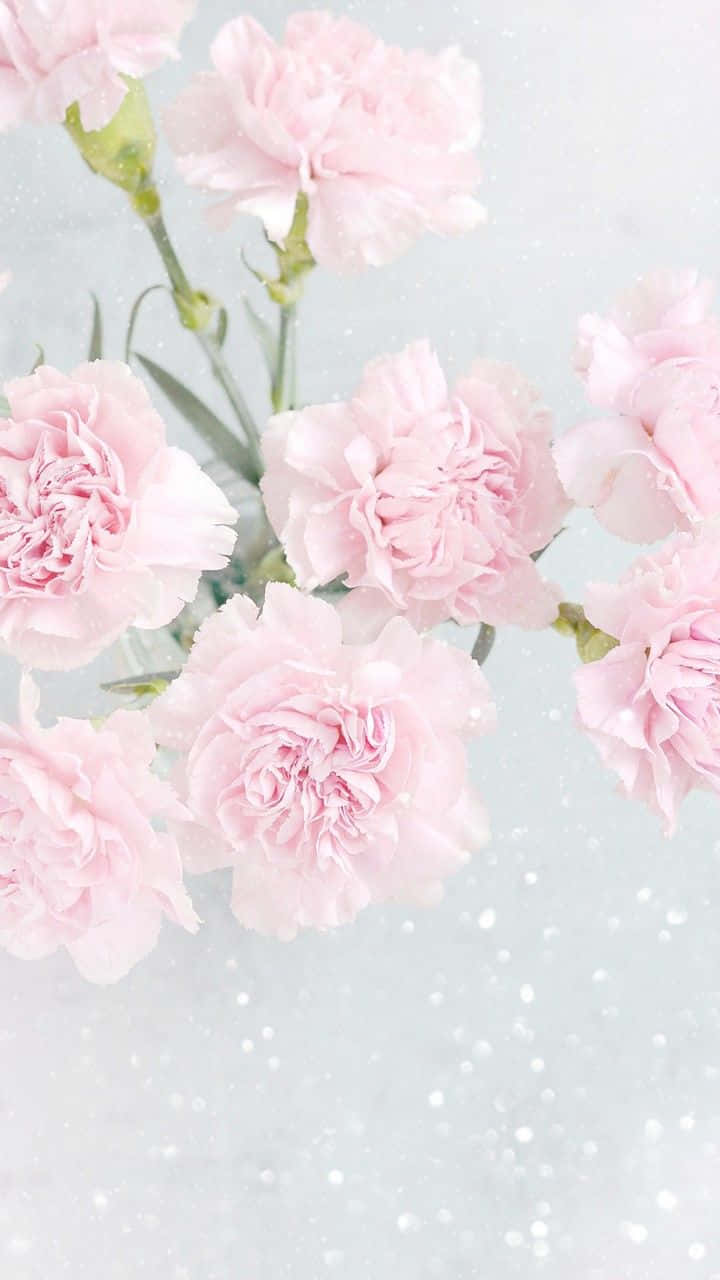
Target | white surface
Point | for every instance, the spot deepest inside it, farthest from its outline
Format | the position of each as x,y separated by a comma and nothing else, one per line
419,1095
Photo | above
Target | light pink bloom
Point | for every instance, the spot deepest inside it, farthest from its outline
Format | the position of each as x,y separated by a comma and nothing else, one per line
327,775
5,278
54,53
101,524
652,705
653,464
379,139
429,501
81,864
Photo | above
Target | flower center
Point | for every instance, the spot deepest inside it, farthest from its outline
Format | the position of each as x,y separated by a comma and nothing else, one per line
62,509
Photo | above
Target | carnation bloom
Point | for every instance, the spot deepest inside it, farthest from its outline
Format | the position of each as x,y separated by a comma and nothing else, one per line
431,502
380,140
54,53
652,705
327,775
81,864
102,525
653,464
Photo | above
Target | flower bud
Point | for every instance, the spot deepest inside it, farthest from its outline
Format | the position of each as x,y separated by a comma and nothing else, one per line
123,152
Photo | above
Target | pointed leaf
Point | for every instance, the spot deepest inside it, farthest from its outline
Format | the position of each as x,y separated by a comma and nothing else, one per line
265,337
483,644
135,313
223,442
222,327
40,357
4,407
96,337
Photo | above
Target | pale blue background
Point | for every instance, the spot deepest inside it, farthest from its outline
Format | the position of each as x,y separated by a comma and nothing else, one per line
163,1129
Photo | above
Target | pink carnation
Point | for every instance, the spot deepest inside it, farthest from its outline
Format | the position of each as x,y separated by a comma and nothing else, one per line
431,502
81,864
328,776
653,465
101,524
54,53
379,139
652,705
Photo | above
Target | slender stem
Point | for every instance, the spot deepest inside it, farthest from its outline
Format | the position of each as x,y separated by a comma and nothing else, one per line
283,389
188,303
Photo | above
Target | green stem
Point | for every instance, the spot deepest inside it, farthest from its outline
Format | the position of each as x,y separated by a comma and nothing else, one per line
195,310
283,388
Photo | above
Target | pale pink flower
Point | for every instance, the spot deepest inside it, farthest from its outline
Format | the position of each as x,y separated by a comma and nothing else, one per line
327,775
653,464
652,705
54,53
5,278
380,140
102,525
430,502
81,863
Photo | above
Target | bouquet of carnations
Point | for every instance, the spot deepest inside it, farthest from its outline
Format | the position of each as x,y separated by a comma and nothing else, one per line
312,733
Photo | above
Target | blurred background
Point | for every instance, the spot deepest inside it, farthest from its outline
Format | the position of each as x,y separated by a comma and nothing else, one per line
524,1081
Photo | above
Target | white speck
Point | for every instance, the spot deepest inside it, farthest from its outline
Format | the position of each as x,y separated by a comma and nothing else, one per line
482,1049
513,1239
242,998
524,1134
477,713
554,714
527,993
503,956
697,1252
273,1064
408,1222
436,998
198,1104
466,1067
659,1041
333,1257
436,1098
267,1033
539,1230
666,1200
537,1065
444,1217
267,1177
336,1177
487,918
408,926
170,1152
100,1200
17,1246
644,895
247,1046
530,877
687,1122
676,916
600,975
635,1231
176,1101
653,1130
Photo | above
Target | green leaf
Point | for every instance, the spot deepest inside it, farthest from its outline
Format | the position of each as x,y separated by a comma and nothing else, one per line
535,555
483,644
265,336
136,312
223,442
96,337
150,684
4,407
222,327
39,358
